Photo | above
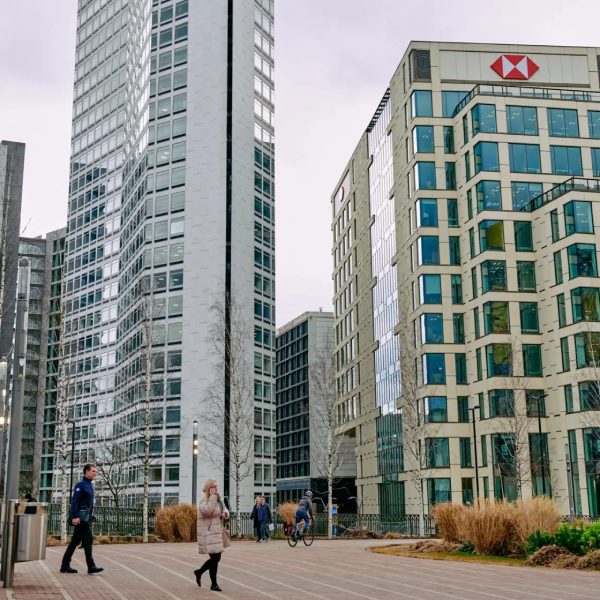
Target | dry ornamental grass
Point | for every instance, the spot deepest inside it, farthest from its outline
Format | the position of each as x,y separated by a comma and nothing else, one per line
449,519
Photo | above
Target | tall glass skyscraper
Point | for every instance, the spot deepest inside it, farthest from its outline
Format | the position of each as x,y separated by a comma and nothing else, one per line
171,211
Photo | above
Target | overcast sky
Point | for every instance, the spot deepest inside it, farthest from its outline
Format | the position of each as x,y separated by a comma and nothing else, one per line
334,59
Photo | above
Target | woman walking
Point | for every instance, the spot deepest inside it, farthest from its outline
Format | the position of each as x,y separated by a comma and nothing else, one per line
211,533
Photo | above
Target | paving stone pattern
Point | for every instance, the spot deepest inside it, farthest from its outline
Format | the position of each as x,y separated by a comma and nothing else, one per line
337,570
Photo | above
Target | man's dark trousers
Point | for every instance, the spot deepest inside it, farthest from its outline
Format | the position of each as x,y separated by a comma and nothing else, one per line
82,534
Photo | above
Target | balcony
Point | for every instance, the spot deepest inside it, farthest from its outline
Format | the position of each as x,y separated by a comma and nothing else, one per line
579,184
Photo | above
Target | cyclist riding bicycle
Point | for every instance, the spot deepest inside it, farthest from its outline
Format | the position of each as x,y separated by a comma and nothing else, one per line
304,512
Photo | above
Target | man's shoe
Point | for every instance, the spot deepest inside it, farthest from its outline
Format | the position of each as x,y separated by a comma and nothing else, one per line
68,569
198,574
215,588
95,570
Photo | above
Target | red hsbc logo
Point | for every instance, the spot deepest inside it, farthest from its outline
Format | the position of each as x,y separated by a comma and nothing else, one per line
514,66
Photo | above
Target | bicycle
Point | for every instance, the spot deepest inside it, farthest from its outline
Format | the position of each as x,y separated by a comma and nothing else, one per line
308,536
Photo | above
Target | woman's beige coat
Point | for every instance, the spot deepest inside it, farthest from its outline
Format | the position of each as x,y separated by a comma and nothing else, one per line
210,526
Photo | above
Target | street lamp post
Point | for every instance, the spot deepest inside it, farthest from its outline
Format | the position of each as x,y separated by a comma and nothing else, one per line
3,420
195,463
472,411
13,462
541,444
72,454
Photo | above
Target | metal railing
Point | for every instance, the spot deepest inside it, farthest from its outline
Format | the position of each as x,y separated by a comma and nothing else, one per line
580,184
518,91
128,522
109,521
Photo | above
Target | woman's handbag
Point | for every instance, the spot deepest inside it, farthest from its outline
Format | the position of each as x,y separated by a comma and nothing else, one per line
271,527
225,535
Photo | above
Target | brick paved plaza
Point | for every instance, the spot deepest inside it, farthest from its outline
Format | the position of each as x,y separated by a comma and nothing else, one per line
337,570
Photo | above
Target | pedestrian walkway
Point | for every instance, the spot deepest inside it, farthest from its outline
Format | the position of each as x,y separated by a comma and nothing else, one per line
325,571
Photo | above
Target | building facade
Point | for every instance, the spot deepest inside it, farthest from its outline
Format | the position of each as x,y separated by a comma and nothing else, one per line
171,215
303,363
465,253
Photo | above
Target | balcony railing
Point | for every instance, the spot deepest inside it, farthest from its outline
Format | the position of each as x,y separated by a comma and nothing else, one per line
543,93
579,184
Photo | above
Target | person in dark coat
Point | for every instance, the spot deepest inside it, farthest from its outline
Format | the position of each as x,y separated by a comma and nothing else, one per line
266,518
254,517
81,517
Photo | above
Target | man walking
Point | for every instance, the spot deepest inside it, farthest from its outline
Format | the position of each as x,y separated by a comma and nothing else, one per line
81,517
265,518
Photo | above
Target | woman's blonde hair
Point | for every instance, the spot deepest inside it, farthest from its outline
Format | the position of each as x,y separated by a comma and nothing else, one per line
209,483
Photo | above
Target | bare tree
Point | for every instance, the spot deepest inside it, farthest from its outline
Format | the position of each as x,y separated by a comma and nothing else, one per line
231,340
112,461
328,447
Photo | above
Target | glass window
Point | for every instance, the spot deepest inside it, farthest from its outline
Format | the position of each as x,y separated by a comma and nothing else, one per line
432,328
474,282
535,401
429,250
463,409
585,302
449,140
499,360
476,322
450,170
566,160
554,225
502,403
491,235
421,103
594,123
478,365
423,138
460,365
524,158
526,276
472,251
523,193
568,392
587,349
456,289
589,395
452,205
486,156
489,196
483,117
558,267
564,354
436,409
434,369
458,323
465,127
438,452
467,165
427,212
450,100
438,490
454,243
596,162
529,317
467,490
578,217
493,275
562,122
582,260
532,360
425,176
496,317
521,120
562,310
523,236
430,289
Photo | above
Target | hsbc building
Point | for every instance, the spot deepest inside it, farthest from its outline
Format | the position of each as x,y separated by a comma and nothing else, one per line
472,300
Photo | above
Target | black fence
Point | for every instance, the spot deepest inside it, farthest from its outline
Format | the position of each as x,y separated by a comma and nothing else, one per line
109,520
128,522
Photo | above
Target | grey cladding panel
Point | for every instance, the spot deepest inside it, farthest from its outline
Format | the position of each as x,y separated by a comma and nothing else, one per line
420,65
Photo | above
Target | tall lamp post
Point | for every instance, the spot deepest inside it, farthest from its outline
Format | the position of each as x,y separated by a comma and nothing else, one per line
472,411
3,407
195,462
72,454
13,462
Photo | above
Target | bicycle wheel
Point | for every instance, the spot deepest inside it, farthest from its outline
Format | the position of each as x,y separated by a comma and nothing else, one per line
292,540
309,536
